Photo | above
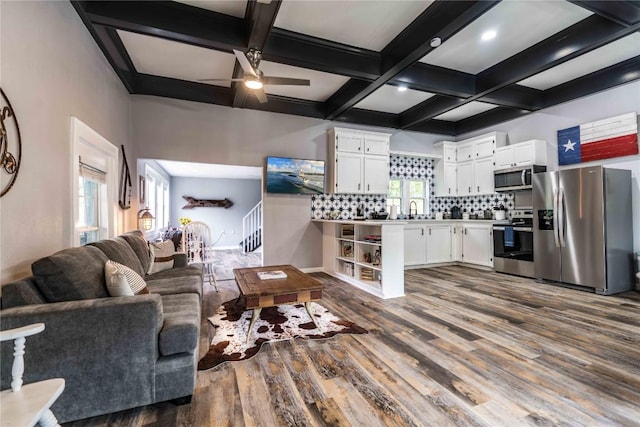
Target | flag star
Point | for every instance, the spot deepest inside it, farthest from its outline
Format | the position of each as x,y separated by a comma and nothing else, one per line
569,146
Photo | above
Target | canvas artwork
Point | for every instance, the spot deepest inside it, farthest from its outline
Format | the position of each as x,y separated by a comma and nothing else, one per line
295,176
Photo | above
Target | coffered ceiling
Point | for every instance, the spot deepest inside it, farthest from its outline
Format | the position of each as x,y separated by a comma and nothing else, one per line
374,62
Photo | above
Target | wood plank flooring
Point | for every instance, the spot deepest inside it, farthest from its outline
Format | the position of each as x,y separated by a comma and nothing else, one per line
464,347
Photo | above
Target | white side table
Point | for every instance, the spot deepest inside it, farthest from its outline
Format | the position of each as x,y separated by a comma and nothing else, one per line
24,406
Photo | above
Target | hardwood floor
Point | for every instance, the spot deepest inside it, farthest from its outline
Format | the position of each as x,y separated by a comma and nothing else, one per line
464,347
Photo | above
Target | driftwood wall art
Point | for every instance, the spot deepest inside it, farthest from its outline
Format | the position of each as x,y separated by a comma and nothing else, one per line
125,183
197,203
10,145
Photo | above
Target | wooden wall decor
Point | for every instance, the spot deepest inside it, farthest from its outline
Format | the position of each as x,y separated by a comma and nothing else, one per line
198,203
125,183
10,145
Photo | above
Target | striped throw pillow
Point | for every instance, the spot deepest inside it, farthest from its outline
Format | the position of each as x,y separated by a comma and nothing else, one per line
161,256
118,276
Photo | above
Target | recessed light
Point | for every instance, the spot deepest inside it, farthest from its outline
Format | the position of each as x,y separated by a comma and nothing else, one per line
402,88
488,35
435,42
253,84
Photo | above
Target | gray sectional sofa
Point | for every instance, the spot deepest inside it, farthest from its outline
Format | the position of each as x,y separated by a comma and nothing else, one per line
114,353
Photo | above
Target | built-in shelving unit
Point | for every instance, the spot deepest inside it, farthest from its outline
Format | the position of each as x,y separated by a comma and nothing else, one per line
354,251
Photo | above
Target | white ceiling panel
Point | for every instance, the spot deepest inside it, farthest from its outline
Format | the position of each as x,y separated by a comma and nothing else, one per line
235,8
153,55
387,99
467,110
366,24
207,170
517,24
607,55
323,85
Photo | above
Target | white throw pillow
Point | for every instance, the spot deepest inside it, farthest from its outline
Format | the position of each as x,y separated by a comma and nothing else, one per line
123,281
161,256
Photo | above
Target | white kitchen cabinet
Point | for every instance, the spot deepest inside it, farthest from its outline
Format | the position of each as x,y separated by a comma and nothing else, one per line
359,161
485,147
533,152
465,178
466,151
348,173
477,244
438,243
376,174
415,249
456,243
445,169
483,176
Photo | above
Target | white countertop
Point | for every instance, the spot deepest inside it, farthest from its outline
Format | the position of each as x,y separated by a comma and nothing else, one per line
410,221
363,221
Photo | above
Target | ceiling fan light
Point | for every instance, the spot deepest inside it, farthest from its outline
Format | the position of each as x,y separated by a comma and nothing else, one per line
253,84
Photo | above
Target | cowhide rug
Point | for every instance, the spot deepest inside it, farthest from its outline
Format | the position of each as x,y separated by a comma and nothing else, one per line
279,323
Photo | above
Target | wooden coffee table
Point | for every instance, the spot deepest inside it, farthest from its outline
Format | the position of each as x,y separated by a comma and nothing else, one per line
297,287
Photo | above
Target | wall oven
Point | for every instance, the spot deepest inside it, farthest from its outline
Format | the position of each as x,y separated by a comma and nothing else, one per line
513,244
516,179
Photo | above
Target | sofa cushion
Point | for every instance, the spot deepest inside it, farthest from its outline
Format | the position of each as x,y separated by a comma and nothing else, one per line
176,281
161,256
181,326
71,274
21,292
138,243
119,276
119,250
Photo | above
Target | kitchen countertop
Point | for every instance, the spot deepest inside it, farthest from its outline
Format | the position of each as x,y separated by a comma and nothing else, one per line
364,221
409,221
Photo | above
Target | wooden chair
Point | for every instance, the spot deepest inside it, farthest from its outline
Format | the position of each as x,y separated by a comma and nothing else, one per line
197,244
28,405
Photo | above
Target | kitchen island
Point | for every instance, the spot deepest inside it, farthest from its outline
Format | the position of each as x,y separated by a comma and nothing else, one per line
366,254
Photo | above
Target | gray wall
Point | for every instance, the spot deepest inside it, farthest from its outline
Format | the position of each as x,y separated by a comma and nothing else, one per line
545,124
244,193
51,69
192,132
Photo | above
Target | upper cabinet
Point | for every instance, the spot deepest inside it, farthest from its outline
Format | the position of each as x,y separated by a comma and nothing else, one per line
445,169
533,152
360,161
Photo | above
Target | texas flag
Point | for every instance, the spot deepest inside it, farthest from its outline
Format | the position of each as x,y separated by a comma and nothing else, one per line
604,139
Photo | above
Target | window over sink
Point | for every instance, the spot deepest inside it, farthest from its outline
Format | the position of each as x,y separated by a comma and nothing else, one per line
408,193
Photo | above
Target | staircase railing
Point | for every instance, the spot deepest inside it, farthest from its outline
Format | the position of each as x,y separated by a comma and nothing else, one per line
252,229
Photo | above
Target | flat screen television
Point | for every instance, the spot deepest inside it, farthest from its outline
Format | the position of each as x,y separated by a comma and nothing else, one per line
295,176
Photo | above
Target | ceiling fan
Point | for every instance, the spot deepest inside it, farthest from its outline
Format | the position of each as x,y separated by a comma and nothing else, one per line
253,77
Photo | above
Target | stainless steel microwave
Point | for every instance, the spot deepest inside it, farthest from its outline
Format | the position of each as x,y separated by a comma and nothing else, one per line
516,179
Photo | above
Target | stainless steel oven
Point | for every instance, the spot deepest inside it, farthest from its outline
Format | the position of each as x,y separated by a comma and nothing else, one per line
516,179
513,244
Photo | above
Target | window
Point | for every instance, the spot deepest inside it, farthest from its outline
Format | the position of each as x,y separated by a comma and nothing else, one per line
406,193
157,198
94,181
92,204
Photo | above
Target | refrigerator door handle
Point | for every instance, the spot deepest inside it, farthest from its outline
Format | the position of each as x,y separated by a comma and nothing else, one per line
524,171
561,219
555,218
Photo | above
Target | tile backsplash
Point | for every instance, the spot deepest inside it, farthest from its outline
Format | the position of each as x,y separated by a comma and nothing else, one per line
406,167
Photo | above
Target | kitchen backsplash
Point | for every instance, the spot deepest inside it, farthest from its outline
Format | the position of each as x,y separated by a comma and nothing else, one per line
405,167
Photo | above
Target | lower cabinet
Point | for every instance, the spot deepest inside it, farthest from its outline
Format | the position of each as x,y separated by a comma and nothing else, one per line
470,243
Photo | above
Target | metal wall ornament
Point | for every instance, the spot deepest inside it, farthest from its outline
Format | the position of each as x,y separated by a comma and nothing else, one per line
10,145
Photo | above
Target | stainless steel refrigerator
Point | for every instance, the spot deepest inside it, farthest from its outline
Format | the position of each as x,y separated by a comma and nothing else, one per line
583,228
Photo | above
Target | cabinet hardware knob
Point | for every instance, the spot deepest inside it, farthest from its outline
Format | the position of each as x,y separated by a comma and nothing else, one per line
368,187
358,186
469,189
478,188
422,231
358,148
429,232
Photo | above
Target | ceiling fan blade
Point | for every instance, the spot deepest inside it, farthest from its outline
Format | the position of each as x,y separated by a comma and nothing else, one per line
285,81
220,80
244,63
262,97
264,1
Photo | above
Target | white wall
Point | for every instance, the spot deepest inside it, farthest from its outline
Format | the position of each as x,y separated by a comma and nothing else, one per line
193,132
545,124
51,69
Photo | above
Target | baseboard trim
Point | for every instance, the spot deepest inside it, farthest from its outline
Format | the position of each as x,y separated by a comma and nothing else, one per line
312,270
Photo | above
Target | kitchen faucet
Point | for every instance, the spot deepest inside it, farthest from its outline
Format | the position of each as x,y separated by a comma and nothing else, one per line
413,209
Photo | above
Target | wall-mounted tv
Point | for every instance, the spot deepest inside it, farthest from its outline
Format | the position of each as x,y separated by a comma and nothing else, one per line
295,176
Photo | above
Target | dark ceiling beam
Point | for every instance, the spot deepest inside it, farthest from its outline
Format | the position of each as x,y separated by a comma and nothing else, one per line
434,79
259,19
285,105
172,21
112,48
428,109
368,117
494,83
622,12
516,96
439,127
441,19
182,89
299,50
488,119
607,78
580,38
